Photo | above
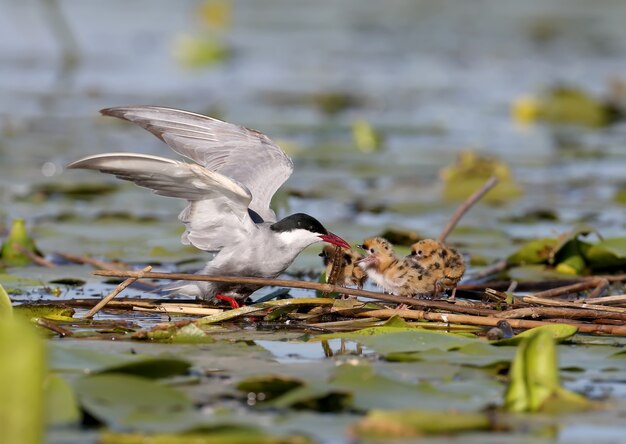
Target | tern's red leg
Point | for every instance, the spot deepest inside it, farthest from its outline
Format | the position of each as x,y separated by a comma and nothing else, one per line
232,301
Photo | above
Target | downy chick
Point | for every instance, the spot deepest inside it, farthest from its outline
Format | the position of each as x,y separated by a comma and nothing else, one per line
444,264
349,273
393,274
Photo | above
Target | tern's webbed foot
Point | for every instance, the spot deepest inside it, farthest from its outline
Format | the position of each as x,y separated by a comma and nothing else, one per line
231,301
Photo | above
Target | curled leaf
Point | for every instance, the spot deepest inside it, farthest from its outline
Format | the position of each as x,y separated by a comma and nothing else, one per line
17,242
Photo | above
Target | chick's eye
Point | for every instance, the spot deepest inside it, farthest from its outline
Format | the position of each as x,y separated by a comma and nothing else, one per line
371,250
419,252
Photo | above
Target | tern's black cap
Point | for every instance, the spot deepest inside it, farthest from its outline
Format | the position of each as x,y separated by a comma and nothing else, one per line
299,221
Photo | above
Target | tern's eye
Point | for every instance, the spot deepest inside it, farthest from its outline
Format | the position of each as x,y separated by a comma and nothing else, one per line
371,250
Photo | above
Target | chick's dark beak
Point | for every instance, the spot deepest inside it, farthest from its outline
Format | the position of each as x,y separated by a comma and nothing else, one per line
332,238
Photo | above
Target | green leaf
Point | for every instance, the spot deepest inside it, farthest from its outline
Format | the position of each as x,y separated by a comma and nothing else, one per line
542,370
6,307
187,334
537,251
516,398
13,280
359,334
607,253
17,240
200,51
534,383
315,395
270,386
227,434
126,402
471,171
74,359
360,387
365,137
21,382
61,403
389,424
478,354
53,312
569,105
371,390
559,332
410,341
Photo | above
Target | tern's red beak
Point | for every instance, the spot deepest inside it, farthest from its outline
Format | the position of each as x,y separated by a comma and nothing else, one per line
332,238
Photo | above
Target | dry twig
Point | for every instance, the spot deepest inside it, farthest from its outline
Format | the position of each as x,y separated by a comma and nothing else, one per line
432,304
603,285
53,326
574,288
465,206
35,258
103,265
619,299
115,292
489,321
187,309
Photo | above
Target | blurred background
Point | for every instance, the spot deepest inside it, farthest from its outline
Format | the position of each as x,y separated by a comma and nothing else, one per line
388,109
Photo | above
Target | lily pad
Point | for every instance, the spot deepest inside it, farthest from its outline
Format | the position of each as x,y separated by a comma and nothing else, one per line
360,387
390,424
226,434
607,253
365,332
18,241
471,171
75,359
126,402
365,136
269,386
61,403
53,312
372,390
315,395
478,354
564,105
411,341
536,251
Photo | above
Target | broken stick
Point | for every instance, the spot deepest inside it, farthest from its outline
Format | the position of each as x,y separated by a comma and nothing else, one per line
116,291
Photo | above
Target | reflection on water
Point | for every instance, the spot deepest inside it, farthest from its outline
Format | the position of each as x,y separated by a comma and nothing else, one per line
306,351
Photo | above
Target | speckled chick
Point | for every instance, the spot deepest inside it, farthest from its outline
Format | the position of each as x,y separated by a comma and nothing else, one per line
393,274
444,263
349,273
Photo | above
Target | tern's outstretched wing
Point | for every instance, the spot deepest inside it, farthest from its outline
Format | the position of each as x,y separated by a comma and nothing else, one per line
247,156
218,205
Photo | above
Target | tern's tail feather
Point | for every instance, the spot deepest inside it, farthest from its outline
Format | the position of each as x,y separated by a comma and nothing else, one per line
184,288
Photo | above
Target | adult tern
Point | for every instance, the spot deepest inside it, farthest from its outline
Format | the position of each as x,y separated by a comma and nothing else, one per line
233,175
